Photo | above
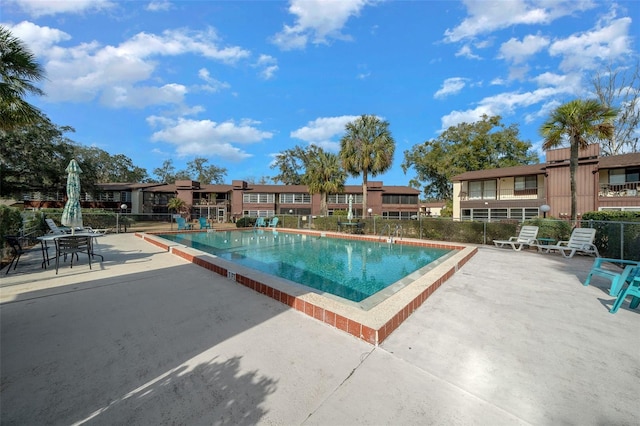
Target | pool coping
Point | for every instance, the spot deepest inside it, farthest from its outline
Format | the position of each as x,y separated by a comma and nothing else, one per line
373,325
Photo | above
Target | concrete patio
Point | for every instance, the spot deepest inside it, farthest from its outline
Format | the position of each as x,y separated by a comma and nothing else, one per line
148,338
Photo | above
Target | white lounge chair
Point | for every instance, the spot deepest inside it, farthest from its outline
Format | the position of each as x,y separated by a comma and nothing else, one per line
527,237
54,229
581,241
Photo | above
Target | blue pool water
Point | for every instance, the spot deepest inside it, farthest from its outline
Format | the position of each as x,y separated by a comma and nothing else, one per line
351,269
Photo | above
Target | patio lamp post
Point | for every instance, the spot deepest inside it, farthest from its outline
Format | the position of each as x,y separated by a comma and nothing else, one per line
291,213
370,211
123,209
544,209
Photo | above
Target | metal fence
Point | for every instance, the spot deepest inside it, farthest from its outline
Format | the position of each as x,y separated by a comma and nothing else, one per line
620,240
614,239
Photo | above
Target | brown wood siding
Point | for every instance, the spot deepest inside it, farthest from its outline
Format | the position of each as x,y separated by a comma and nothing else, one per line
559,189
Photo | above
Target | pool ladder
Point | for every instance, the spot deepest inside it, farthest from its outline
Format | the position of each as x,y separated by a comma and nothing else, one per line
398,232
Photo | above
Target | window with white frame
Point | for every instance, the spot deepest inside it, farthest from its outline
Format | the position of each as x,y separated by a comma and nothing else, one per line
482,190
259,213
343,198
258,198
295,198
397,215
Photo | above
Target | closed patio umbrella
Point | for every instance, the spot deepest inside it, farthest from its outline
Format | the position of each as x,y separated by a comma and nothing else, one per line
72,213
350,211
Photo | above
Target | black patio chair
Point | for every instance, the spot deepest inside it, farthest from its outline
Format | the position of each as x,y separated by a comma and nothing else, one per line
16,251
72,245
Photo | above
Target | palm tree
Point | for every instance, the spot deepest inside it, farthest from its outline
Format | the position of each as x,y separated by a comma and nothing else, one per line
324,175
367,148
177,205
577,121
18,72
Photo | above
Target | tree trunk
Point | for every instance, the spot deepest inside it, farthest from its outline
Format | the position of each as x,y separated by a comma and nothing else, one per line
573,168
323,203
364,193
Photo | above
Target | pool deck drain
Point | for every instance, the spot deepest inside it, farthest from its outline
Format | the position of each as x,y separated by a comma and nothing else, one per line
373,325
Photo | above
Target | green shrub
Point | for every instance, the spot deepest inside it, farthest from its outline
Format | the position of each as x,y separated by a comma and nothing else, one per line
619,239
559,230
10,221
245,222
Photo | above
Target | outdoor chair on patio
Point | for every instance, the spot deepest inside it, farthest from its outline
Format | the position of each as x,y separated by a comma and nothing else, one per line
611,269
203,223
260,223
273,223
632,276
182,224
54,229
72,245
527,237
581,241
16,251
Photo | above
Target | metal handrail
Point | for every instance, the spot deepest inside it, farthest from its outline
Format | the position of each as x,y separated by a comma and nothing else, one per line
385,227
399,232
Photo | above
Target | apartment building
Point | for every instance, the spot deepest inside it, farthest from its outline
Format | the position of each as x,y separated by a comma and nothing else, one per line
519,193
224,203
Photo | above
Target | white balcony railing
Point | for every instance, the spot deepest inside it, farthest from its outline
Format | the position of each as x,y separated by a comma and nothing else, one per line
503,194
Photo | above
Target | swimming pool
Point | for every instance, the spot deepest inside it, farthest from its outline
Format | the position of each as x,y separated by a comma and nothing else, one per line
372,320
350,269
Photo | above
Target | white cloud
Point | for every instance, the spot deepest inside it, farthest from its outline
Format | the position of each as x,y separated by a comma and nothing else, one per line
467,53
543,112
88,71
451,86
40,40
553,79
269,72
37,8
268,65
518,51
159,6
518,73
486,16
317,21
583,51
178,42
505,104
323,131
206,137
213,85
141,97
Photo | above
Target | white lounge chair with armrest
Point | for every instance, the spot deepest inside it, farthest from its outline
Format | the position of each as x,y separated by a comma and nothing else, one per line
581,241
526,237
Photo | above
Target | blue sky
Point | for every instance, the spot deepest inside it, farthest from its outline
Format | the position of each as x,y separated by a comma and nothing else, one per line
237,82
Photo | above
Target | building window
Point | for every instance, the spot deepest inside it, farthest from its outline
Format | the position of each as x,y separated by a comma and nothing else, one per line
295,211
259,213
398,215
489,215
258,198
400,199
343,198
526,185
619,176
295,199
482,190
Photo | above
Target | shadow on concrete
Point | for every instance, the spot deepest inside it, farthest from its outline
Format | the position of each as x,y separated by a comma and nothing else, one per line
137,348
